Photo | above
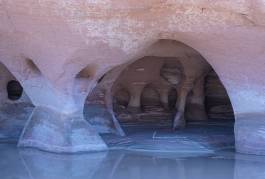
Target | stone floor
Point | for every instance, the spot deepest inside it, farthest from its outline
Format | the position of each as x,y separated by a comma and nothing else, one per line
198,137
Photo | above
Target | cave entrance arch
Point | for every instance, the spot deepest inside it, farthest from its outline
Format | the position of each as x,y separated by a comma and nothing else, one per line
175,70
213,99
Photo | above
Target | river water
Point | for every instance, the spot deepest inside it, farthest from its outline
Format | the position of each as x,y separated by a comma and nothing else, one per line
201,151
120,164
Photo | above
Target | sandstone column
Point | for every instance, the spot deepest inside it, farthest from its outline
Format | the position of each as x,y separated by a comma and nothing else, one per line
57,123
196,105
164,92
185,88
135,97
52,130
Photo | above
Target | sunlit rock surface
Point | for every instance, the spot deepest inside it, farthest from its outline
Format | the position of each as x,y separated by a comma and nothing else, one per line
55,132
58,50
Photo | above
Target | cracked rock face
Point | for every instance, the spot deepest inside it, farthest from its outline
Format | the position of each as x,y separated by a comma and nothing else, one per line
58,50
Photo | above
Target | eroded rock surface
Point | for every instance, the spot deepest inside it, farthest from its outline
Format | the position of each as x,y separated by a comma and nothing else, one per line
56,132
59,49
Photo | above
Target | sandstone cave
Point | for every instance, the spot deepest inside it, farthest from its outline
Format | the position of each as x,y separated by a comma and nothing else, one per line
172,90
100,89
156,107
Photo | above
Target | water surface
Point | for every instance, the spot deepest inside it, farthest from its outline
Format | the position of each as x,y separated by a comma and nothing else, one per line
33,164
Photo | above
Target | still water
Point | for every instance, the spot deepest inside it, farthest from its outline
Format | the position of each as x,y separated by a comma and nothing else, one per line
117,164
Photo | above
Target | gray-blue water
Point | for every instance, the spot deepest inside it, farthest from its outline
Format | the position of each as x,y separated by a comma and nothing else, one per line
204,150
33,164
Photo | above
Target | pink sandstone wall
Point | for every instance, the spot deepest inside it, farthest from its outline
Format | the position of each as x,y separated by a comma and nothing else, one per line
63,37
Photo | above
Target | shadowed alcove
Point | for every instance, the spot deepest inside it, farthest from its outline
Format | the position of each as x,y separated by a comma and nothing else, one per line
14,90
170,93
152,110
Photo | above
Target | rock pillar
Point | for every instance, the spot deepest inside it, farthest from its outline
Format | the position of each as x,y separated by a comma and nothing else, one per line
54,131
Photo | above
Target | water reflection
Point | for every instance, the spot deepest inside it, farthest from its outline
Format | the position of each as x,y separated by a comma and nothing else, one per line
34,164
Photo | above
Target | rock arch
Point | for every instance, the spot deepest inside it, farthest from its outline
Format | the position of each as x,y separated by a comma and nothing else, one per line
229,35
154,51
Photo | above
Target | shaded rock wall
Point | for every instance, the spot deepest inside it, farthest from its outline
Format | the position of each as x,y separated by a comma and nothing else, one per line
218,105
152,109
217,102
